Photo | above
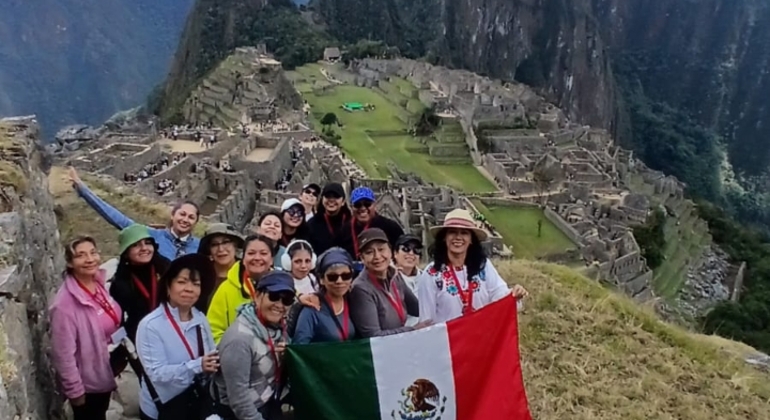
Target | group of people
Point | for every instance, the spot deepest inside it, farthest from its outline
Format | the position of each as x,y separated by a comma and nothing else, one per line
210,317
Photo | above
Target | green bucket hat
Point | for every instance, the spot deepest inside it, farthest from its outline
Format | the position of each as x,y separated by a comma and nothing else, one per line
132,235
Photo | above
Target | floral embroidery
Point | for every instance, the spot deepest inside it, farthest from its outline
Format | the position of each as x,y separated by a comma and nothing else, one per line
444,278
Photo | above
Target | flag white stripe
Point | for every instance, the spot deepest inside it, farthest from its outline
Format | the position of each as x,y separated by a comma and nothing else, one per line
402,359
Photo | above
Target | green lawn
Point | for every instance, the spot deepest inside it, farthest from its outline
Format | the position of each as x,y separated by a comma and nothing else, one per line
374,152
518,226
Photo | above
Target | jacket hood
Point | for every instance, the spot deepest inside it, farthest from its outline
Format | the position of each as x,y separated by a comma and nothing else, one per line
247,313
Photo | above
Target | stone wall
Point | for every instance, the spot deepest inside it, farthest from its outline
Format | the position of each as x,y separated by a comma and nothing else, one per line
563,226
118,159
238,208
31,263
269,171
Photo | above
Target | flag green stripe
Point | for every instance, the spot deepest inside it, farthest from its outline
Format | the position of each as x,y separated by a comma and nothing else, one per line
326,379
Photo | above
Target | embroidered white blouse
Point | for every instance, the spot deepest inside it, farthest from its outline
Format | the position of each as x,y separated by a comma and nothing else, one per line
440,300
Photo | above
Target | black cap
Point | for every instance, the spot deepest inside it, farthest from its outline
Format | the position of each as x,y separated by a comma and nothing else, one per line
333,188
370,236
406,238
312,186
276,281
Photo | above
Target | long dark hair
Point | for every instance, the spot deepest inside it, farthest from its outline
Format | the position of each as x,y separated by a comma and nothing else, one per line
475,259
124,271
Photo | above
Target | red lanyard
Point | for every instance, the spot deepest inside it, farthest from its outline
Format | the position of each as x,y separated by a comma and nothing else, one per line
271,346
394,298
355,236
344,327
179,332
152,297
466,296
329,223
102,301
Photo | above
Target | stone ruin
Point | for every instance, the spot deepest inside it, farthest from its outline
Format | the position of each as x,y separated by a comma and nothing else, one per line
591,189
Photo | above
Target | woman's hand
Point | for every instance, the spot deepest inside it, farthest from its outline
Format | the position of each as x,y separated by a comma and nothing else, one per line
73,177
519,292
210,362
423,324
311,300
79,401
280,349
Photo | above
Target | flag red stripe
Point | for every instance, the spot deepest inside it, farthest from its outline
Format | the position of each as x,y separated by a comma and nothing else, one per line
485,359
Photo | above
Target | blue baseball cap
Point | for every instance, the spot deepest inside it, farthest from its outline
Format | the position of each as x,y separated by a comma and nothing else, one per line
276,281
361,193
334,256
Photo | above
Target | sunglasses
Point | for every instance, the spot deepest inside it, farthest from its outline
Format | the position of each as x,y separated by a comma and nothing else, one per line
296,211
334,277
314,193
411,248
363,203
284,297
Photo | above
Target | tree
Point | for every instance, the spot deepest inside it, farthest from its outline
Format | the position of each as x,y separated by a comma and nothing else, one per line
543,179
329,119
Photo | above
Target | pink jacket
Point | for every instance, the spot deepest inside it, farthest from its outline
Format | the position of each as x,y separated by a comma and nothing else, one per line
78,346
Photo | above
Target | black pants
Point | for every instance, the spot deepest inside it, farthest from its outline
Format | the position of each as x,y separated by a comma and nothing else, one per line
95,407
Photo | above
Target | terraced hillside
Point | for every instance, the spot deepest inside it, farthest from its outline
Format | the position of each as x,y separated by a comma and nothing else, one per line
240,85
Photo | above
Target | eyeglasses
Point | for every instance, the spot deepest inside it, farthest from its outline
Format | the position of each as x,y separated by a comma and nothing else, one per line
314,193
296,211
286,298
411,248
223,242
363,203
334,277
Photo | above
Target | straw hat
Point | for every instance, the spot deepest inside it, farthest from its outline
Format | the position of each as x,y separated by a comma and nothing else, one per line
460,219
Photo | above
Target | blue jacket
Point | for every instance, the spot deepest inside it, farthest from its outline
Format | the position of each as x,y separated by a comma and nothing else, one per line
319,326
168,244
164,356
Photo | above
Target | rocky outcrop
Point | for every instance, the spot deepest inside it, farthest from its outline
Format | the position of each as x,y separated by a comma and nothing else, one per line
31,263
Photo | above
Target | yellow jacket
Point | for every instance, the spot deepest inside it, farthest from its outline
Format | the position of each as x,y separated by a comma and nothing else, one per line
230,295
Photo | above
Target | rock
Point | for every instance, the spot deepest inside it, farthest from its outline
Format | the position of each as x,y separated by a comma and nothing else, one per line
30,273
77,133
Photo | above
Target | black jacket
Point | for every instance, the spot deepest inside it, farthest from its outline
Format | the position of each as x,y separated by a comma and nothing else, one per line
391,228
133,303
325,235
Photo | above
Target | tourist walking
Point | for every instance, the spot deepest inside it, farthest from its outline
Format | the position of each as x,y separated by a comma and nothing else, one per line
332,322
84,319
364,217
175,345
309,199
407,260
173,241
460,279
380,300
135,284
249,385
220,244
238,288
331,216
293,222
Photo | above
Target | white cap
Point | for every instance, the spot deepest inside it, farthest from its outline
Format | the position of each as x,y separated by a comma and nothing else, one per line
287,204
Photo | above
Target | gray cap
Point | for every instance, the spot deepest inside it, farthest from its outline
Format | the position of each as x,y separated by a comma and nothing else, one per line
219,229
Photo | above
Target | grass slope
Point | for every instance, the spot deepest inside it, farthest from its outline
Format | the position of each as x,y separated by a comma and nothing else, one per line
518,225
77,218
588,353
372,151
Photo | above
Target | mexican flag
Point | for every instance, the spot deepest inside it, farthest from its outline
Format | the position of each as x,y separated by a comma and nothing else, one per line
465,369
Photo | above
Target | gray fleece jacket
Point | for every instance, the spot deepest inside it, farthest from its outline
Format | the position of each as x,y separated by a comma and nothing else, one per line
371,310
244,344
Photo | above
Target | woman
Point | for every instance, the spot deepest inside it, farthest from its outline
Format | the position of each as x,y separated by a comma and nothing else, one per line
174,342
407,260
270,225
299,260
461,279
220,244
173,241
256,340
332,323
309,198
135,284
238,288
330,218
380,300
293,221
83,320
